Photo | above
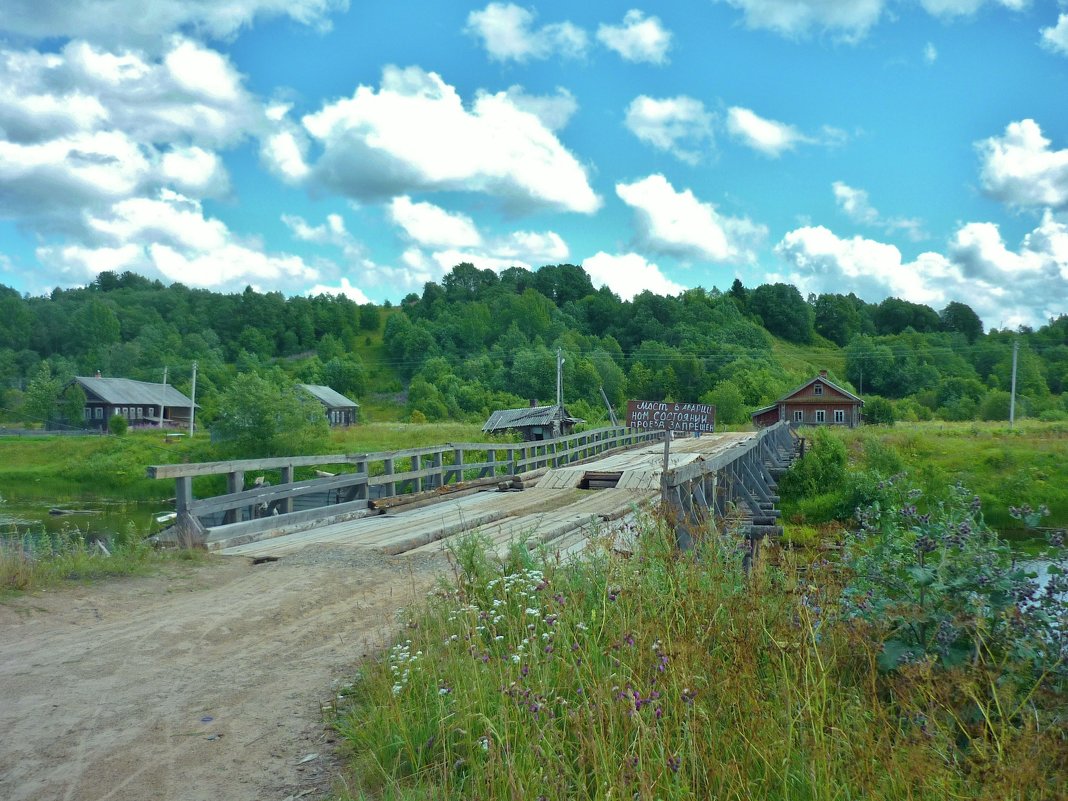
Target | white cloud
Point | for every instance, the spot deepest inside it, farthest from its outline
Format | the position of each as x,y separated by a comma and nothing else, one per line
1055,38
145,22
639,38
343,288
849,19
963,8
852,19
930,53
1004,286
453,238
679,125
432,226
855,205
194,171
628,274
1020,169
414,134
507,31
554,111
678,224
766,136
170,237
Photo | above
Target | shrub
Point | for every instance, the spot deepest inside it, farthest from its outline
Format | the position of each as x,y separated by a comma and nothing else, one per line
117,425
879,412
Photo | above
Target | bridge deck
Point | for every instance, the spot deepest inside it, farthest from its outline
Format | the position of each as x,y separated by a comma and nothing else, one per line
554,512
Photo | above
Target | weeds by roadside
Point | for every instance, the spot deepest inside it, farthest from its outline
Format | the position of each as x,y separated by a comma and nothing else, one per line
32,558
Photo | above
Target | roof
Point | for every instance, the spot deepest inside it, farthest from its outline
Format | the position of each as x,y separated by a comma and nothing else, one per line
763,409
528,416
826,381
328,397
136,393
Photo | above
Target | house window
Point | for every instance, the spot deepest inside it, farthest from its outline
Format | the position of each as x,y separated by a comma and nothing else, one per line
821,416
817,388
799,416
839,416
88,412
99,412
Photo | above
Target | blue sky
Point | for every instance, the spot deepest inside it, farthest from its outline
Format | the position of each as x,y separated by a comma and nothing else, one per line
911,149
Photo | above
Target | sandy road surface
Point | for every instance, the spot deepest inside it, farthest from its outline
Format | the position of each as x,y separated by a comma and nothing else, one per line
106,690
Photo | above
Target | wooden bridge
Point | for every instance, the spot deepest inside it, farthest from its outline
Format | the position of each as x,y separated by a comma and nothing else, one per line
557,492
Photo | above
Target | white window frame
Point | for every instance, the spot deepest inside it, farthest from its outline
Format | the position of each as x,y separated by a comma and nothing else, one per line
821,416
839,415
817,388
799,416
99,413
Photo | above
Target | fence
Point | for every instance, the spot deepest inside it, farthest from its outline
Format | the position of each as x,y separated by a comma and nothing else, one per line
362,476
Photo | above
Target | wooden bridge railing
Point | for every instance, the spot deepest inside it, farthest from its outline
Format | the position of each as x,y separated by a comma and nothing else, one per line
405,471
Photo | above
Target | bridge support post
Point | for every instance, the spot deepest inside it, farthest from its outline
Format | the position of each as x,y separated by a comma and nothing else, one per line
286,478
235,482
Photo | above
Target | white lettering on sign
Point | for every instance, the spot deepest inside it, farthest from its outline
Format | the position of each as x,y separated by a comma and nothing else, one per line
656,415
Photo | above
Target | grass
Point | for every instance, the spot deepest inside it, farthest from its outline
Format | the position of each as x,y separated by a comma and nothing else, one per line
1028,464
31,559
674,676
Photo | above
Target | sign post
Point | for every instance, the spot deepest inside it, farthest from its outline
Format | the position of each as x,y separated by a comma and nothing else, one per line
697,418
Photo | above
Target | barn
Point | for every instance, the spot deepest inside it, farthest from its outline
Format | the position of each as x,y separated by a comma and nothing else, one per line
533,422
817,402
340,411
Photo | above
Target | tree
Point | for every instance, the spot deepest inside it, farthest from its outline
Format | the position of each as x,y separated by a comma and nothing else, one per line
268,416
879,412
962,319
784,312
730,405
836,318
41,396
369,317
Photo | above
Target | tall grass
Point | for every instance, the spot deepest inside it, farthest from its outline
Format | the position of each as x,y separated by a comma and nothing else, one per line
31,559
675,676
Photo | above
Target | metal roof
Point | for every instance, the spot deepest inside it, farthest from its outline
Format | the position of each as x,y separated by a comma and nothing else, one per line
328,396
826,381
133,393
528,416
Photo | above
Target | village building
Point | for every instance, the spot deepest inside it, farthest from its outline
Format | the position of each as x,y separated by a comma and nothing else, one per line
340,411
818,402
141,402
533,422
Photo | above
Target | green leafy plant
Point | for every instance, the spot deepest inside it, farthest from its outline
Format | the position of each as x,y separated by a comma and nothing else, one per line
942,587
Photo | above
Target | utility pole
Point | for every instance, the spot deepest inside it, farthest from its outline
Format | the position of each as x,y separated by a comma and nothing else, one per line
162,396
193,398
559,377
611,411
1012,395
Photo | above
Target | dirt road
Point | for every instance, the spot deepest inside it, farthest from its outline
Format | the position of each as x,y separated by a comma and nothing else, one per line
204,684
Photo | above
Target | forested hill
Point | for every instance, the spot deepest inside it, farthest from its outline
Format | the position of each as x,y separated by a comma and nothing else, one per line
481,340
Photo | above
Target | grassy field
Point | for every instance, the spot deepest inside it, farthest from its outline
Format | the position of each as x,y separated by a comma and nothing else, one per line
675,676
1028,464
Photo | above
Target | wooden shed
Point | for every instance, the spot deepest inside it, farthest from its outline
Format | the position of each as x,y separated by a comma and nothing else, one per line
818,402
340,411
533,422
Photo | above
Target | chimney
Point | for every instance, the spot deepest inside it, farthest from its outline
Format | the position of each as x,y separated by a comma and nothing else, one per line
98,374
533,402
823,373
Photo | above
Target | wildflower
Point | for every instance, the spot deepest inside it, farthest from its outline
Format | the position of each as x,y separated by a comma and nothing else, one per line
674,763
516,658
499,637
483,743
444,690
532,611
580,626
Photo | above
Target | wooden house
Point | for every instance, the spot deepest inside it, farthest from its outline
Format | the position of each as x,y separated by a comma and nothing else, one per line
533,422
819,402
340,411
141,402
